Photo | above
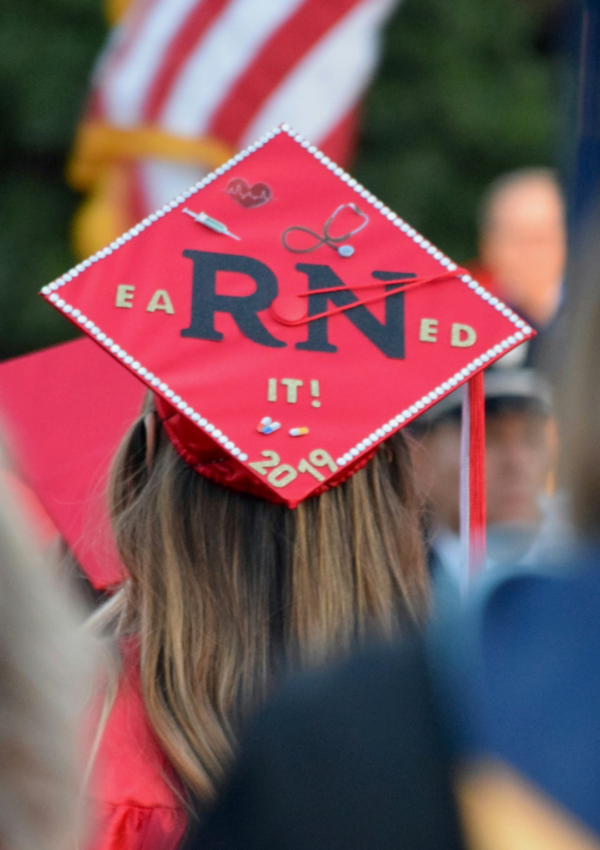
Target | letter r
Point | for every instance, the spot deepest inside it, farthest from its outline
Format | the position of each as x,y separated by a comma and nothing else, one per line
243,309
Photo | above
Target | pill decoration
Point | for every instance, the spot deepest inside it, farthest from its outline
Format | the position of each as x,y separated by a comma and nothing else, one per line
339,350
267,426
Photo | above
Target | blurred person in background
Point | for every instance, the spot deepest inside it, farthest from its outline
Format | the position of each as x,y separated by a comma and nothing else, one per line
483,737
45,661
523,242
520,458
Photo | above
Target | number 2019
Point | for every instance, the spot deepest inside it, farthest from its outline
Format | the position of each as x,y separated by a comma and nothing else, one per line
282,474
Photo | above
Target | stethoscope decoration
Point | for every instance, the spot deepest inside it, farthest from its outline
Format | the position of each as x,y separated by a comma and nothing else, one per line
334,242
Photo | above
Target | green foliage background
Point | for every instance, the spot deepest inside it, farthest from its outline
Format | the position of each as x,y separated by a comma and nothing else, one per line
462,95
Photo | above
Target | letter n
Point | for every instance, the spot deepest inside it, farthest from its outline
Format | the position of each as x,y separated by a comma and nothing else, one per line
388,337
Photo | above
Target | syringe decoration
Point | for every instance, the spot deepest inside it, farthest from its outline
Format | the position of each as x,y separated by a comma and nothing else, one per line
211,223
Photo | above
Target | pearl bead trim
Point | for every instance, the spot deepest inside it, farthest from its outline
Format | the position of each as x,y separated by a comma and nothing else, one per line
138,228
149,378
433,396
379,434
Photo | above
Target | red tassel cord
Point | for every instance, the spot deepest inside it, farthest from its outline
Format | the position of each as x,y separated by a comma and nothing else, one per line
477,512
472,479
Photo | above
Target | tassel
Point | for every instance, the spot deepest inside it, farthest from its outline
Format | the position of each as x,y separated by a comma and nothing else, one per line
472,480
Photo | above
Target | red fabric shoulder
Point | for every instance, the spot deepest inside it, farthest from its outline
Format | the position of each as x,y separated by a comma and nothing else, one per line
134,787
135,828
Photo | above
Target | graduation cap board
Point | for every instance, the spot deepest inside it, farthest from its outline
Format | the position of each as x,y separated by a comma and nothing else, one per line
288,322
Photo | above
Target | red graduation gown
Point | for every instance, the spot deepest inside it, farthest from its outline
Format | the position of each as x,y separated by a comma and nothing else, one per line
134,796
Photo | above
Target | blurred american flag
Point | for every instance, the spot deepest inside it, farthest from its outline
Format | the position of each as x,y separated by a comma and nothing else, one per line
183,84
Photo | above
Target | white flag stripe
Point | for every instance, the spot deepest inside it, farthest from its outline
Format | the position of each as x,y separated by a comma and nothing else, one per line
126,87
120,39
162,181
219,60
108,58
329,80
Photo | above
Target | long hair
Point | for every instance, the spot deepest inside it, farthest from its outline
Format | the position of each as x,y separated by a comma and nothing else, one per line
227,591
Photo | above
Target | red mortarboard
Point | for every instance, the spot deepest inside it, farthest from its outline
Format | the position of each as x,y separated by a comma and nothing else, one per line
64,411
286,320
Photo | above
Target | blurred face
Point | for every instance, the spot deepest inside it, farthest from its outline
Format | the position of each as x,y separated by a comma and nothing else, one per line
518,461
523,245
518,457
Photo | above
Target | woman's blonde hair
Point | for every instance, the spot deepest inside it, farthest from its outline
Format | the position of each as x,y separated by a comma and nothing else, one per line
45,662
226,590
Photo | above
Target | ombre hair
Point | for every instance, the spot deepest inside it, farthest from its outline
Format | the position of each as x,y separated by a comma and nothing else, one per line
226,591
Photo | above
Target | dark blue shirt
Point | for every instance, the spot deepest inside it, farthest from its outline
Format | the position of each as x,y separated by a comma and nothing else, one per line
521,681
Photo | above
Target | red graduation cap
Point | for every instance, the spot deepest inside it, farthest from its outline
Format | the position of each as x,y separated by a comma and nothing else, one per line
286,320
64,411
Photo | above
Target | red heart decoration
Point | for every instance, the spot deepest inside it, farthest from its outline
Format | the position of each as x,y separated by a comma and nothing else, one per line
249,196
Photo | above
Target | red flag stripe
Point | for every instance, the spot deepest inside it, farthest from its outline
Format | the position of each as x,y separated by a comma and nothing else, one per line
277,57
95,107
190,34
138,201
